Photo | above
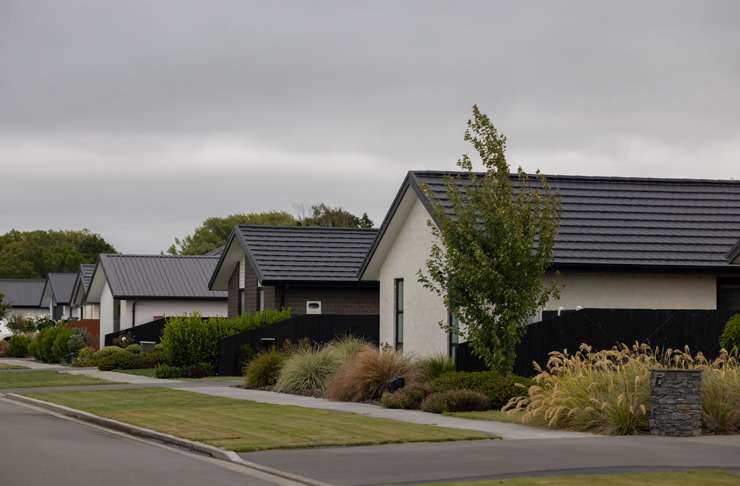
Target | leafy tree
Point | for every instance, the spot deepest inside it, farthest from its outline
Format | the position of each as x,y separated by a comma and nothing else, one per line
490,256
3,307
215,230
33,254
323,215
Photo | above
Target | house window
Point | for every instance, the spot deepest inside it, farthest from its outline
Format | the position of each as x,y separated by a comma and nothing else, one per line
453,334
398,293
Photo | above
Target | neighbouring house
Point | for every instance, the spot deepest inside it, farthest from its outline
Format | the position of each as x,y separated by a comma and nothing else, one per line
136,289
25,297
80,309
58,294
623,243
311,270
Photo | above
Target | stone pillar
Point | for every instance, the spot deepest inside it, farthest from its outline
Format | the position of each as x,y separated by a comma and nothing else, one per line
675,402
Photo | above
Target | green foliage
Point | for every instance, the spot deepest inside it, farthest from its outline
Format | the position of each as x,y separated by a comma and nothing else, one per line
490,257
323,215
433,366
730,339
455,401
167,372
214,232
134,348
78,340
46,348
306,372
189,340
85,358
59,349
19,346
116,358
497,387
21,325
408,397
264,369
4,348
3,306
33,254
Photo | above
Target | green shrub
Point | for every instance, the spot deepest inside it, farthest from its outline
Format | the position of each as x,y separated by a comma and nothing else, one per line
85,358
349,346
408,397
51,344
59,350
4,348
134,348
432,367
264,369
306,372
190,340
122,360
21,325
78,340
151,359
165,371
18,345
498,388
730,339
368,375
455,401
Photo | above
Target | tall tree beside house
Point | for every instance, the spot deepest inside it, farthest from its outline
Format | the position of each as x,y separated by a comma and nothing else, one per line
493,249
33,254
215,230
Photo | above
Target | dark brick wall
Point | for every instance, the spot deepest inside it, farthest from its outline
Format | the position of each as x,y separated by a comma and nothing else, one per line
333,300
233,295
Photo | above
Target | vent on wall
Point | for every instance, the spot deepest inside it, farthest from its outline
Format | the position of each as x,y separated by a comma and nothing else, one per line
313,307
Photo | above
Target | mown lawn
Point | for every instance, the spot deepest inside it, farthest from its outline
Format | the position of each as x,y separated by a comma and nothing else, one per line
6,366
149,372
36,378
494,415
244,426
704,478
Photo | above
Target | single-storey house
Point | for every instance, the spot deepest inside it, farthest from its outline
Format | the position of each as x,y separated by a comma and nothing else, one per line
623,243
80,308
58,294
135,289
311,270
24,297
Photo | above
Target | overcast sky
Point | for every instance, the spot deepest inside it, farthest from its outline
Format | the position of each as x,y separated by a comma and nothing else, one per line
138,120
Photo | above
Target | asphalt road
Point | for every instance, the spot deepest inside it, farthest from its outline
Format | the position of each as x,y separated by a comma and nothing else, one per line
412,463
37,448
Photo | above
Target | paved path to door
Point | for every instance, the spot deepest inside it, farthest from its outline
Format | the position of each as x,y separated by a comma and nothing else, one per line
493,459
501,429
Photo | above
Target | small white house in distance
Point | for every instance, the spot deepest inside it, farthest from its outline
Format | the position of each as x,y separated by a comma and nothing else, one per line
135,289
58,294
24,297
623,243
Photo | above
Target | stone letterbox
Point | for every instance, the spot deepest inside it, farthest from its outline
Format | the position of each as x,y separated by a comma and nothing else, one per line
675,402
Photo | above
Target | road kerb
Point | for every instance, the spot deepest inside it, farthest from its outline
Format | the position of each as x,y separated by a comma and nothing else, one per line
137,431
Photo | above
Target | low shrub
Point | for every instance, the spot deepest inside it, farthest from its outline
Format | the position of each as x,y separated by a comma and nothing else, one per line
168,372
189,340
367,375
21,325
165,371
85,358
455,401
77,341
59,350
42,350
721,395
263,371
408,397
134,348
497,387
432,367
122,360
4,348
730,339
306,372
151,359
18,346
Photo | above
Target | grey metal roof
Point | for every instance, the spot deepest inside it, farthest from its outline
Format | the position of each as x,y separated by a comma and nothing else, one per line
216,251
631,221
62,285
22,292
86,273
160,276
305,253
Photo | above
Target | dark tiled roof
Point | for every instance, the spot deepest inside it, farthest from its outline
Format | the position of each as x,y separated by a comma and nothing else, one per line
301,253
635,221
86,273
22,292
160,276
62,285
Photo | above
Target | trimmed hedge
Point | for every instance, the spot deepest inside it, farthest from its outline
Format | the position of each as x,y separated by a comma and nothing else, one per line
115,358
497,387
190,340
455,401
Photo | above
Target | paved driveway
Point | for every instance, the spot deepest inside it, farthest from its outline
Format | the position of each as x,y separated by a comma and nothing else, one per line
501,458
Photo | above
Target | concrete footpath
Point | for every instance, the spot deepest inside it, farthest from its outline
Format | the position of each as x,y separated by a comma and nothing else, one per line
501,429
496,459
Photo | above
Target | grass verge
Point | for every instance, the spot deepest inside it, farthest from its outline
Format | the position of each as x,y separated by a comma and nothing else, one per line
705,478
37,378
150,373
492,415
6,366
244,426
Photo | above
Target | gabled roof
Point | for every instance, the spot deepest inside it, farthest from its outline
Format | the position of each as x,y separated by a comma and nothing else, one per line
158,276
85,275
734,256
22,292
61,285
623,221
216,251
302,253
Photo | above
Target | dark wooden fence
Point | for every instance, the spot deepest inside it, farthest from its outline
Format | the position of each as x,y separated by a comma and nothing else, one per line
151,331
317,329
604,328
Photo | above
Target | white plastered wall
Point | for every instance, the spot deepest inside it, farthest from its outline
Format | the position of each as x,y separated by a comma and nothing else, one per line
106,313
148,310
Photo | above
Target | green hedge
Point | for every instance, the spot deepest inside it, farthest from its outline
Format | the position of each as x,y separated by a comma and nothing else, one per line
190,340
730,339
18,346
497,387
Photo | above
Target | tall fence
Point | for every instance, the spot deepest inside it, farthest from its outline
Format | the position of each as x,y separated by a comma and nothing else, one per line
604,328
317,329
151,331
